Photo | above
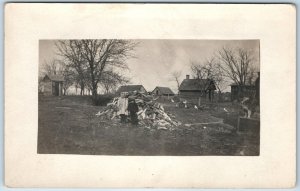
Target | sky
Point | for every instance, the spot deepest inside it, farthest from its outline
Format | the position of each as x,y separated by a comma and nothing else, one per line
155,60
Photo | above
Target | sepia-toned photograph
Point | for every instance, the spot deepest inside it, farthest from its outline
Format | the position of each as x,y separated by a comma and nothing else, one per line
154,97
145,95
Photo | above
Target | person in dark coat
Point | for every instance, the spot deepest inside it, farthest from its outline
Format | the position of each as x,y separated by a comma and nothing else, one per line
133,109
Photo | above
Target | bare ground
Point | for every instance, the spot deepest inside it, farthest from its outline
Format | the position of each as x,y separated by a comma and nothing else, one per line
68,125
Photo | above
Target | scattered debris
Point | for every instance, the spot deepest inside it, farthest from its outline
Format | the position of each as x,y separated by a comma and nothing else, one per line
162,127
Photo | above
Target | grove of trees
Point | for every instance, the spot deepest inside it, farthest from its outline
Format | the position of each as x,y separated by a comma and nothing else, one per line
238,65
227,66
210,69
90,64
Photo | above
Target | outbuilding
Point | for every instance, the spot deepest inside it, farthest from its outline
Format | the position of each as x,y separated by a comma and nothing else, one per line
131,88
162,91
52,85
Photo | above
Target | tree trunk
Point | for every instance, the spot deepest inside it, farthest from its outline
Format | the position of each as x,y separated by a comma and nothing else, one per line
81,89
239,93
94,91
209,96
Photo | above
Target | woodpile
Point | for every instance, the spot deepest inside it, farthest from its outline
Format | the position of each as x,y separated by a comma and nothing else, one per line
151,114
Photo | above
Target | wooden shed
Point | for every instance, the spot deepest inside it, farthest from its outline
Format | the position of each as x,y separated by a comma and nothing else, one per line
162,91
52,85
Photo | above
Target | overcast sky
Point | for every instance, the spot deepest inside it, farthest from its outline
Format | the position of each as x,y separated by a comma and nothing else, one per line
155,60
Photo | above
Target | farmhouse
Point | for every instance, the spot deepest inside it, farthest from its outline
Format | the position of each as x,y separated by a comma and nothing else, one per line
131,88
52,85
163,91
197,88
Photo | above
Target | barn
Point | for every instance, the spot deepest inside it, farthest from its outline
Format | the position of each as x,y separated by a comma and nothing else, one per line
52,85
195,88
162,91
131,88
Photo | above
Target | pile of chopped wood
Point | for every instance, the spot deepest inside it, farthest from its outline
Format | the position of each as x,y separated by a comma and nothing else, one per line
151,114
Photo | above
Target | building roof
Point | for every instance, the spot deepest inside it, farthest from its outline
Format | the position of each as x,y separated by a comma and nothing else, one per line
130,88
196,85
164,90
56,78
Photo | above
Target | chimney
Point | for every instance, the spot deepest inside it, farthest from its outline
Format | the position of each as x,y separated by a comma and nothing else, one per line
187,77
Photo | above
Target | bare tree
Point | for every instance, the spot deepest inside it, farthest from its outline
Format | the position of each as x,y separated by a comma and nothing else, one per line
50,67
71,53
236,64
175,76
91,58
209,69
68,75
252,76
198,70
110,80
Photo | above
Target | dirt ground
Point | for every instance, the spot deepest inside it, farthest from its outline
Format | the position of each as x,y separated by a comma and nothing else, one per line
68,125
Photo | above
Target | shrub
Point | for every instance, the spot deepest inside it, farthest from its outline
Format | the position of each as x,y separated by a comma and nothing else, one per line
102,100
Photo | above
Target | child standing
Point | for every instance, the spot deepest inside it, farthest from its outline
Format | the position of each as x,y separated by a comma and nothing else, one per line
122,107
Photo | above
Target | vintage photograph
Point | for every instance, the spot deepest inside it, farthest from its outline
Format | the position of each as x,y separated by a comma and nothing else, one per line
135,95
149,97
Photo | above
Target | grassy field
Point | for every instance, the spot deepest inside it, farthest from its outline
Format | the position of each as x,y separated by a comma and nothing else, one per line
68,125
